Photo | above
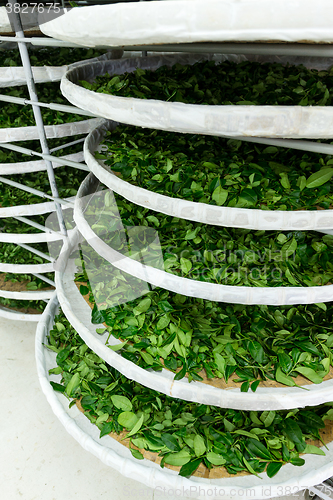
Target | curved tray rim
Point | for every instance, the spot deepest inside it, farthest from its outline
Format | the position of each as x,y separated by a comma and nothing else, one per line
78,314
313,122
321,220
193,288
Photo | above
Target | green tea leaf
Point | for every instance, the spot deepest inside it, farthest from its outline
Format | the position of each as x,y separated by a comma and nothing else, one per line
117,347
297,461
165,306
62,356
254,385
97,316
310,448
310,374
285,180
289,247
136,427
57,387
249,467
285,361
245,386
190,468
177,459
199,445
242,432
293,431
273,468
163,322
136,454
106,429
256,351
220,195
170,442
319,178
121,402
321,305
143,306
185,265
73,384
60,327
258,449
215,458
148,358
220,362
84,290
267,417
127,419
283,378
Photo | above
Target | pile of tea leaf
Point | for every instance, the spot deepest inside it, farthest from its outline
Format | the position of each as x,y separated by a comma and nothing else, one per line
215,254
223,83
195,338
184,434
218,171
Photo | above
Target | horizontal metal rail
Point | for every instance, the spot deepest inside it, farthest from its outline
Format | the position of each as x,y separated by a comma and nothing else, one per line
34,191
54,159
302,145
44,278
279,49
36,252
276,49
38,226
56,107
46,42
67,145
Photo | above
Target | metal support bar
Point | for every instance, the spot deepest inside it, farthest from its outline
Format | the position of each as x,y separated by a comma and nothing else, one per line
29,222
67,145
37,112
44,278
276,49
35,191
19,149
54,159
35,251
64,162
50,105
302,145
46,42
279,49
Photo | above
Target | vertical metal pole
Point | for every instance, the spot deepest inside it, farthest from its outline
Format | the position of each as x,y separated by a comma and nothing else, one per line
143,52
37,112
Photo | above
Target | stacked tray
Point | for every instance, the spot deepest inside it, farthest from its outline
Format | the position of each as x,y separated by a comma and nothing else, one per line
10,76
262,22
289,480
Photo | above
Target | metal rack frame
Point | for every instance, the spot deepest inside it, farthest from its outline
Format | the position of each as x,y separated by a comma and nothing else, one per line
324,490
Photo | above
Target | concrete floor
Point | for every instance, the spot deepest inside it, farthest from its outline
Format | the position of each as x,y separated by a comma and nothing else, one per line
38,459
